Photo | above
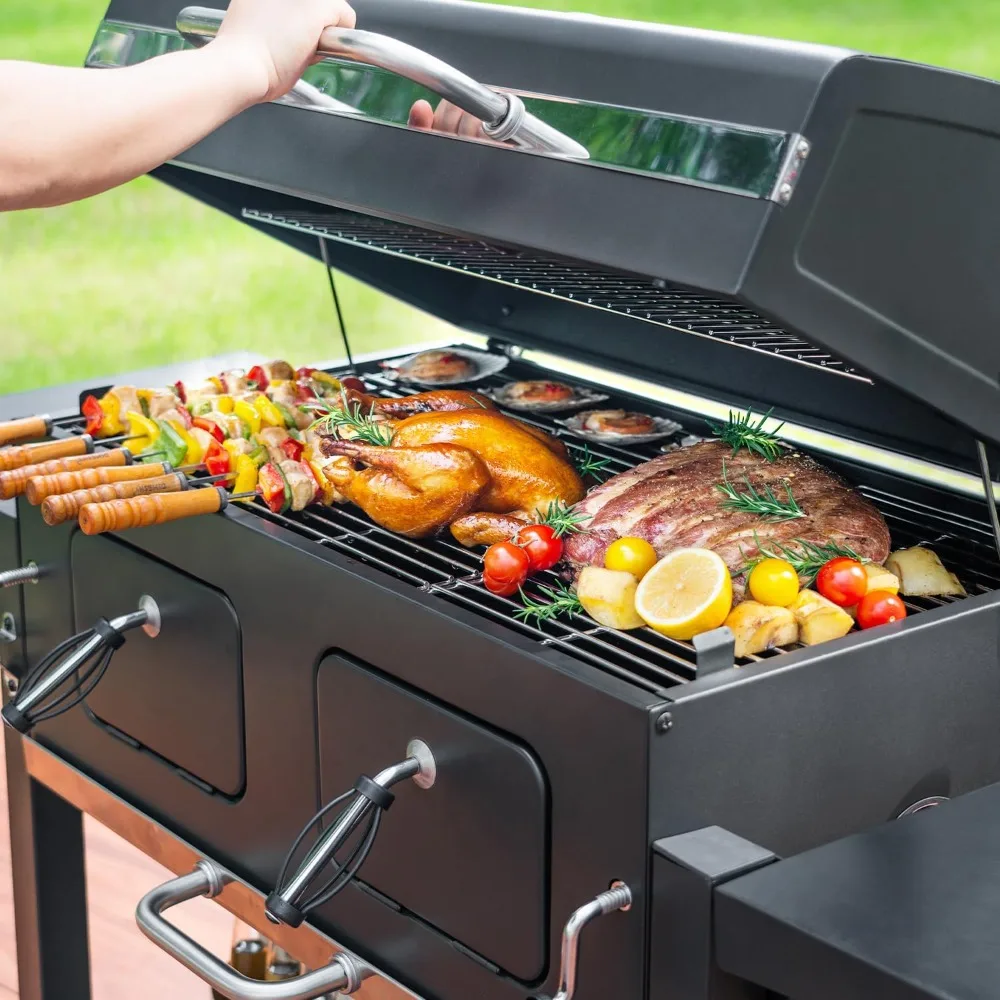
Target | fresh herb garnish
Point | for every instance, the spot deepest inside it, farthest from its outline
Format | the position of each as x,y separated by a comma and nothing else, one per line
588,464
763,502
561,600
562,520
740,431
806,558
364,427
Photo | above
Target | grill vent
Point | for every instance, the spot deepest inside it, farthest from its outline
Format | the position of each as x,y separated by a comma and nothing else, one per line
657,302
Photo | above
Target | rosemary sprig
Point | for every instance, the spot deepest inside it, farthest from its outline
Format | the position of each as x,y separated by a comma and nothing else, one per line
561,601
562,520
740,431
763,502
588,464
348,416
806,558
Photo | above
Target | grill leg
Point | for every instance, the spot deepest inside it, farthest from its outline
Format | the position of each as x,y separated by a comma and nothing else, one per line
50,892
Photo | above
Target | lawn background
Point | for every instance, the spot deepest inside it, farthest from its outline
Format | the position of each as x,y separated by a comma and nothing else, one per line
144,276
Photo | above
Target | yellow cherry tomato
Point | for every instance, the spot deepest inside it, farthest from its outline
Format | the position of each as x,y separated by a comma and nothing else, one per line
774,582
631,555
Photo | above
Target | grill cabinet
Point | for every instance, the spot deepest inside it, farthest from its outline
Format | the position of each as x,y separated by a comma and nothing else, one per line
756,223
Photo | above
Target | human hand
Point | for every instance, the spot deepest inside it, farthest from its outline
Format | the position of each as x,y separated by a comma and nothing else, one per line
447,118
275,41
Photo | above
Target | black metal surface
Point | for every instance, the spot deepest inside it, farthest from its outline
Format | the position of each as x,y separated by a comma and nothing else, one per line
464,855
904,912
193,673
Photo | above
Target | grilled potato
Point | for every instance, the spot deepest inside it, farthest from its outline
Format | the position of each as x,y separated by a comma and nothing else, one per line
608,596
759,627
921,574
879,578
819,620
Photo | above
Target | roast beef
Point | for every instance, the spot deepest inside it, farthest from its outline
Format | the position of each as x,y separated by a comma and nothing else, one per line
674,502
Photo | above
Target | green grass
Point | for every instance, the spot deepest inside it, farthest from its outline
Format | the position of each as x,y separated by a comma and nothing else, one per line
145,276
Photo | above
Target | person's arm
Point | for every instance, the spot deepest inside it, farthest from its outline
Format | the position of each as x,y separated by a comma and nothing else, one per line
66,134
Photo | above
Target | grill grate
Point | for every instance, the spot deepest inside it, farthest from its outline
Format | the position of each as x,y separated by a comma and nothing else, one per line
656,302
450,572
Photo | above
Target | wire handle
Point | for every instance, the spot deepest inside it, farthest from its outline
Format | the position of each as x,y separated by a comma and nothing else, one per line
503,116
344,975
82,660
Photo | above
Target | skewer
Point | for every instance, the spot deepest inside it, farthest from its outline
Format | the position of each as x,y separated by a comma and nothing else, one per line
12,431
156,508
15,481
33,454
59,508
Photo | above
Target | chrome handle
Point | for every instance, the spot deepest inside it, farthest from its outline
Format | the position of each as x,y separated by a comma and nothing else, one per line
344,974
618,897
503,116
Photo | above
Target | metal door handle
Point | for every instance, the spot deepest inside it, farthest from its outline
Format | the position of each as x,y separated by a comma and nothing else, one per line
344,974
503,116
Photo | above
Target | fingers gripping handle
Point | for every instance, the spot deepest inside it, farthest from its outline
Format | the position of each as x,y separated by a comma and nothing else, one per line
24,430
140,512
32,454
344,974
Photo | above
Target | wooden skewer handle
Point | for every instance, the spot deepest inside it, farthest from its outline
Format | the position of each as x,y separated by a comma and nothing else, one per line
140,512
40,487
64,507
15,482
32,454
24,430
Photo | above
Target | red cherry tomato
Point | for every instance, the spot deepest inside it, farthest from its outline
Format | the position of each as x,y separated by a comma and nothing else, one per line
543,547
505,568
879,608
843,581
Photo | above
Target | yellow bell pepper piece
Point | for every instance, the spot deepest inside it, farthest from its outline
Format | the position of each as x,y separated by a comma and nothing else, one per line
218,383
195,452
111,425
327,491
143,431
270,415
224,404
326,378
248,414
246,476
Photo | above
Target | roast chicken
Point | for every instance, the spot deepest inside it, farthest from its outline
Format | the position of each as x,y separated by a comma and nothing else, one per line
474,470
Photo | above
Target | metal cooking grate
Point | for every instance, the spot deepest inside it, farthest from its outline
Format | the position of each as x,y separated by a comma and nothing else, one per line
653,302
451,572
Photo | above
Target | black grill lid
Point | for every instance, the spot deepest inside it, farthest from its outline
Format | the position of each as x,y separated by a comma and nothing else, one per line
861,277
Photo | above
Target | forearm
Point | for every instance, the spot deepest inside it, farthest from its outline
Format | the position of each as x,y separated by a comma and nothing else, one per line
71,133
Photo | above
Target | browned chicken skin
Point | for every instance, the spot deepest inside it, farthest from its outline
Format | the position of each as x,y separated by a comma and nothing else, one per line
443,466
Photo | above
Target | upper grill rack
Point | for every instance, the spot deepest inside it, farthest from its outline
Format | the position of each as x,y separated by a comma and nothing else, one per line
656,302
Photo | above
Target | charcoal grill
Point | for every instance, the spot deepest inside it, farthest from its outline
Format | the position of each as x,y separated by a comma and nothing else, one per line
559,810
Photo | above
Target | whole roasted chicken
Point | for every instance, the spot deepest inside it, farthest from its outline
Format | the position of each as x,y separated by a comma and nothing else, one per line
474,470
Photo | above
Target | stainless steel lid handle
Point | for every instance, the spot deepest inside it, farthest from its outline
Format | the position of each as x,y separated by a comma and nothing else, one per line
503,116
344,974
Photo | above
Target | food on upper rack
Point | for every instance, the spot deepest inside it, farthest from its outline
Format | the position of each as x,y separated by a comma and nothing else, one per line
433,470
447,367
686,593
618,422
921,574
678,500
820,620
544,395
759,627
436,401
608,596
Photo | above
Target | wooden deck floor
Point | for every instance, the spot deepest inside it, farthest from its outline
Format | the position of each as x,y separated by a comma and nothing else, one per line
123,963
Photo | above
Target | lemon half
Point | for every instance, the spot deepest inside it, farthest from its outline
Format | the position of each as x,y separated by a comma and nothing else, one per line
685,593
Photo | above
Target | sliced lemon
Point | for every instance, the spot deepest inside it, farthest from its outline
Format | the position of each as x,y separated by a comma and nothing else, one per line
685,593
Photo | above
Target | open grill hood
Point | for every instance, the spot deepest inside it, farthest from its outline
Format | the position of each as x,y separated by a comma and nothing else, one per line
834,212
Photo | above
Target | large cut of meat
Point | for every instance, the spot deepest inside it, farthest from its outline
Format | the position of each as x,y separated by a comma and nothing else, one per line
674,502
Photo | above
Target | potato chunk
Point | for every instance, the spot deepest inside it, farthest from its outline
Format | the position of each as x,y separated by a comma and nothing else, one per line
921,574
608,596
759,627
819,620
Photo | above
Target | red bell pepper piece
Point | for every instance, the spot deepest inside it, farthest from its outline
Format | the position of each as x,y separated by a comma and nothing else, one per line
273,488
304,393
292,448
211,426
181,392
217,460
258,376
301,373
91,409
